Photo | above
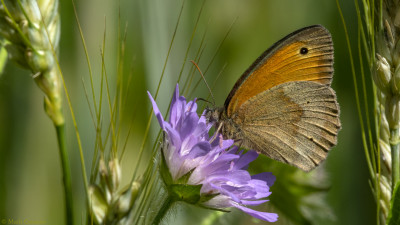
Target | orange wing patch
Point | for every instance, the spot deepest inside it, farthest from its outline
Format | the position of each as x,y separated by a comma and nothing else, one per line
298,57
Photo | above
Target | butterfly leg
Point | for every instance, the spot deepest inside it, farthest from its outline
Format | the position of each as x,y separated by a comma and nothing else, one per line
216,132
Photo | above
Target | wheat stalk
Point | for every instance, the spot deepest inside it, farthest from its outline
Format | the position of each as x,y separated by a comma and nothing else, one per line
381,35
31,32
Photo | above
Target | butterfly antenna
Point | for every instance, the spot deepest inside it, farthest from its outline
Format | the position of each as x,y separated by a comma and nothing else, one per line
202,76
205,100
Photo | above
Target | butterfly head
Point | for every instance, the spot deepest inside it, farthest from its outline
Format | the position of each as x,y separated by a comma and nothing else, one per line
213,115
223,124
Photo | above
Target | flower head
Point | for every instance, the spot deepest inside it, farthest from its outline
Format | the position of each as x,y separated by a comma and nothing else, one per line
211,165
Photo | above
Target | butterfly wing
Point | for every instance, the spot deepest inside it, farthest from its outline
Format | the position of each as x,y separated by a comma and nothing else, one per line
304,55
295,122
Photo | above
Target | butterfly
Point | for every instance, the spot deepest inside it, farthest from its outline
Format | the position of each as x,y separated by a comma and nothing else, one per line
283,106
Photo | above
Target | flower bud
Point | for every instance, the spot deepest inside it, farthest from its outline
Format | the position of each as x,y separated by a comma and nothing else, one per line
386,154
33,13
392,111
389,38
380,96
49,9
382,46
382,74
385,189
115,172
27,42
54,30
384,208
127,198
104,176
39,61
37,37
396,81
384,132
98,204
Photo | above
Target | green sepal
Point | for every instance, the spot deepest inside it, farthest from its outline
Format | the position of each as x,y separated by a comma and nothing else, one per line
164,170
394,213
207,197
185,178
216,209
186,193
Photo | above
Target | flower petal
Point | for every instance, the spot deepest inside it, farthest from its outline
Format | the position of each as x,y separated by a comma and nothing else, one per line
175,111
270,217
156,111
200,149
191,106
174,136
245,159
222,163
189,125
265,176
219,201
258,202
261,189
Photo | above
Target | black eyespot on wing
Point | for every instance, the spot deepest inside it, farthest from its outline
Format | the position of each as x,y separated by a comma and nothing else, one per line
303,51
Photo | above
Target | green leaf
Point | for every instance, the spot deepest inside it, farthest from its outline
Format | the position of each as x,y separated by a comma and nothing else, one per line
394,214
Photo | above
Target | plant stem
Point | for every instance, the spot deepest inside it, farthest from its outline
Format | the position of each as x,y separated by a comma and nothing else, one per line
66,171
3,58
163,210
395,147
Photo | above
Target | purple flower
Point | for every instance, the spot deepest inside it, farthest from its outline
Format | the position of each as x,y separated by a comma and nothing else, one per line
211,162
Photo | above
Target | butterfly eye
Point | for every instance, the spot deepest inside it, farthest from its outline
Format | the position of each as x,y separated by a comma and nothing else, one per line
303,51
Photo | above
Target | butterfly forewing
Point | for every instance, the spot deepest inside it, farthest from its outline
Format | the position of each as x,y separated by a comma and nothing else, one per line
295,122
283,105
305,55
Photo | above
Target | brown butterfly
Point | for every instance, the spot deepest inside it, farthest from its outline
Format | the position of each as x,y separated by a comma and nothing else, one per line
283,105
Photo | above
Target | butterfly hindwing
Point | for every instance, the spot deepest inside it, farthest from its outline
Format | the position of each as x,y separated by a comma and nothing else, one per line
295,122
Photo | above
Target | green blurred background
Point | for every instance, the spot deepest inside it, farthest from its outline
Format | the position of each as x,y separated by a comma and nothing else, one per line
30,182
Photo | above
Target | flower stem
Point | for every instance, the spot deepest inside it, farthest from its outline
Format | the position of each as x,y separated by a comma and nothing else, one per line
66,171
395,149
163,210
